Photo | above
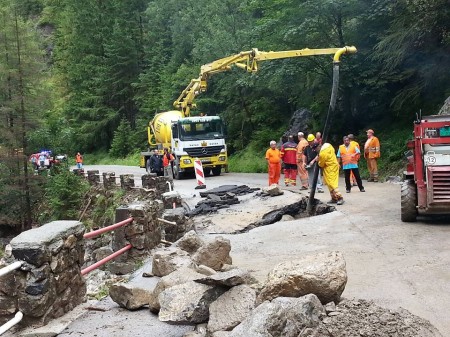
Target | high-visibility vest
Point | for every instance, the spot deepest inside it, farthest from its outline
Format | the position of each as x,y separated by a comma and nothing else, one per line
348,154
166,160
372,148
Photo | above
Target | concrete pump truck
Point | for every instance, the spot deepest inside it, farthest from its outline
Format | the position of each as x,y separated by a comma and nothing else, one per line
191,137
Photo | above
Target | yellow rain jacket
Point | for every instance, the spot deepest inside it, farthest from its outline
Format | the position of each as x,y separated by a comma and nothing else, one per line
330,166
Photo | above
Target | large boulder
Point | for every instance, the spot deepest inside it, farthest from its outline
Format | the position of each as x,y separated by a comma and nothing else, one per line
322,274
179,276
231,308
214,254
187,303
284,316
301,120
170,259
129,296
229,278
190,242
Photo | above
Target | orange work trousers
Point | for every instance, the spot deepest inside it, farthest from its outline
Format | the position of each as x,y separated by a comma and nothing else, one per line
303,174
274,173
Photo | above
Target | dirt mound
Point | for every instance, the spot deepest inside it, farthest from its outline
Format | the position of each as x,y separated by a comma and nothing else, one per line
357,318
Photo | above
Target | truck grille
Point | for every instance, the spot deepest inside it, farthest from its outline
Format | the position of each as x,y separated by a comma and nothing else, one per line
204,151
439,185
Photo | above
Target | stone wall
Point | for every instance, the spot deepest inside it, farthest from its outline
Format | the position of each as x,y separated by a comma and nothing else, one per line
144,234
49,283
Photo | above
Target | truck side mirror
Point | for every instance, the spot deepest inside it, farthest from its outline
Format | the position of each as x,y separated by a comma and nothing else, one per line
175,130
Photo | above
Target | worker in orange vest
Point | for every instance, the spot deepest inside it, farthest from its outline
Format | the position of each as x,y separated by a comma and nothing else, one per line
273,157
355,143
168,158
79,160
372,153
289,157
302,173
348,155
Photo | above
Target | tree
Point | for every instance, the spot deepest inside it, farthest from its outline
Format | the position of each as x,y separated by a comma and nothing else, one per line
21,100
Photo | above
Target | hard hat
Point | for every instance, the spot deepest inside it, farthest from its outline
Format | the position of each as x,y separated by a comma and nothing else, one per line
272,142
370,130
301,134
310,137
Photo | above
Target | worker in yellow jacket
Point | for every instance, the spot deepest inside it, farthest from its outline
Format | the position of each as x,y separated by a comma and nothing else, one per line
330,166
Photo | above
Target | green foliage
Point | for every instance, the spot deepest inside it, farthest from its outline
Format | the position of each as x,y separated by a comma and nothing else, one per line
121,143
103,291
102,158
64,193
104,208
114,64
248,162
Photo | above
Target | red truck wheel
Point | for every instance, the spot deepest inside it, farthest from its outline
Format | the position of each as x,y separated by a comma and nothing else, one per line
409,201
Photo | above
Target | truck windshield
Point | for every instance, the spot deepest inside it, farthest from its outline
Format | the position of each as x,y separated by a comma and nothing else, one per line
200,130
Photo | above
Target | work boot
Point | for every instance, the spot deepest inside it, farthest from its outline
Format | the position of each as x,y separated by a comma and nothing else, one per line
348,191
370,179
362,190
340,201
332,201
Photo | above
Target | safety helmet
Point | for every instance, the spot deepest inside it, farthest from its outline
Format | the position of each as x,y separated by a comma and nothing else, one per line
310,137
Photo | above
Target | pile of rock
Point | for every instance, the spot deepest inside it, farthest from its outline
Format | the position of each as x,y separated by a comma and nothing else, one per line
197,284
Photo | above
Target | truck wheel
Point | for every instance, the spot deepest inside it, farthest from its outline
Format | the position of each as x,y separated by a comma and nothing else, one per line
147,166
176,172
409,201
216,171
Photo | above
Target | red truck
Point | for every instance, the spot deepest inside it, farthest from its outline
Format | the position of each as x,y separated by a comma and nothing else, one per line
426,185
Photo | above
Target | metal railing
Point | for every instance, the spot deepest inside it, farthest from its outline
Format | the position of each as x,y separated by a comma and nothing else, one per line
8,325
19,315
13,266
113,255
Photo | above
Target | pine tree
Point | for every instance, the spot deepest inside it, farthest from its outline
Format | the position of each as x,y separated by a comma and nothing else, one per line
20,103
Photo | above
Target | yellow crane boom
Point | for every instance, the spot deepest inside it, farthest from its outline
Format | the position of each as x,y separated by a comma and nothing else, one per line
248,61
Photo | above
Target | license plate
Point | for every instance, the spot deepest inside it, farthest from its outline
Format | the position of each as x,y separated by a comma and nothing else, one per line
205,160
445,131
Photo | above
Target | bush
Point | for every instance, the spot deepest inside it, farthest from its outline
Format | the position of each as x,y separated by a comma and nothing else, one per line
248,161
64,194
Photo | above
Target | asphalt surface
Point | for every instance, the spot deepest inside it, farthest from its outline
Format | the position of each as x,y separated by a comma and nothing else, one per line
394,264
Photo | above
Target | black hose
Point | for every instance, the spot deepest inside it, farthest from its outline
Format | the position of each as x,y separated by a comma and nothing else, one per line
331,107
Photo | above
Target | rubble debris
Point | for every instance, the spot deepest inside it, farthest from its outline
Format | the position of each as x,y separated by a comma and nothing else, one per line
296,210
314,283
219,197
364,318
233,189
273,190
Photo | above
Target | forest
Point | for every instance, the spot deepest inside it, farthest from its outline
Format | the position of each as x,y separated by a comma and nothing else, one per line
88,75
